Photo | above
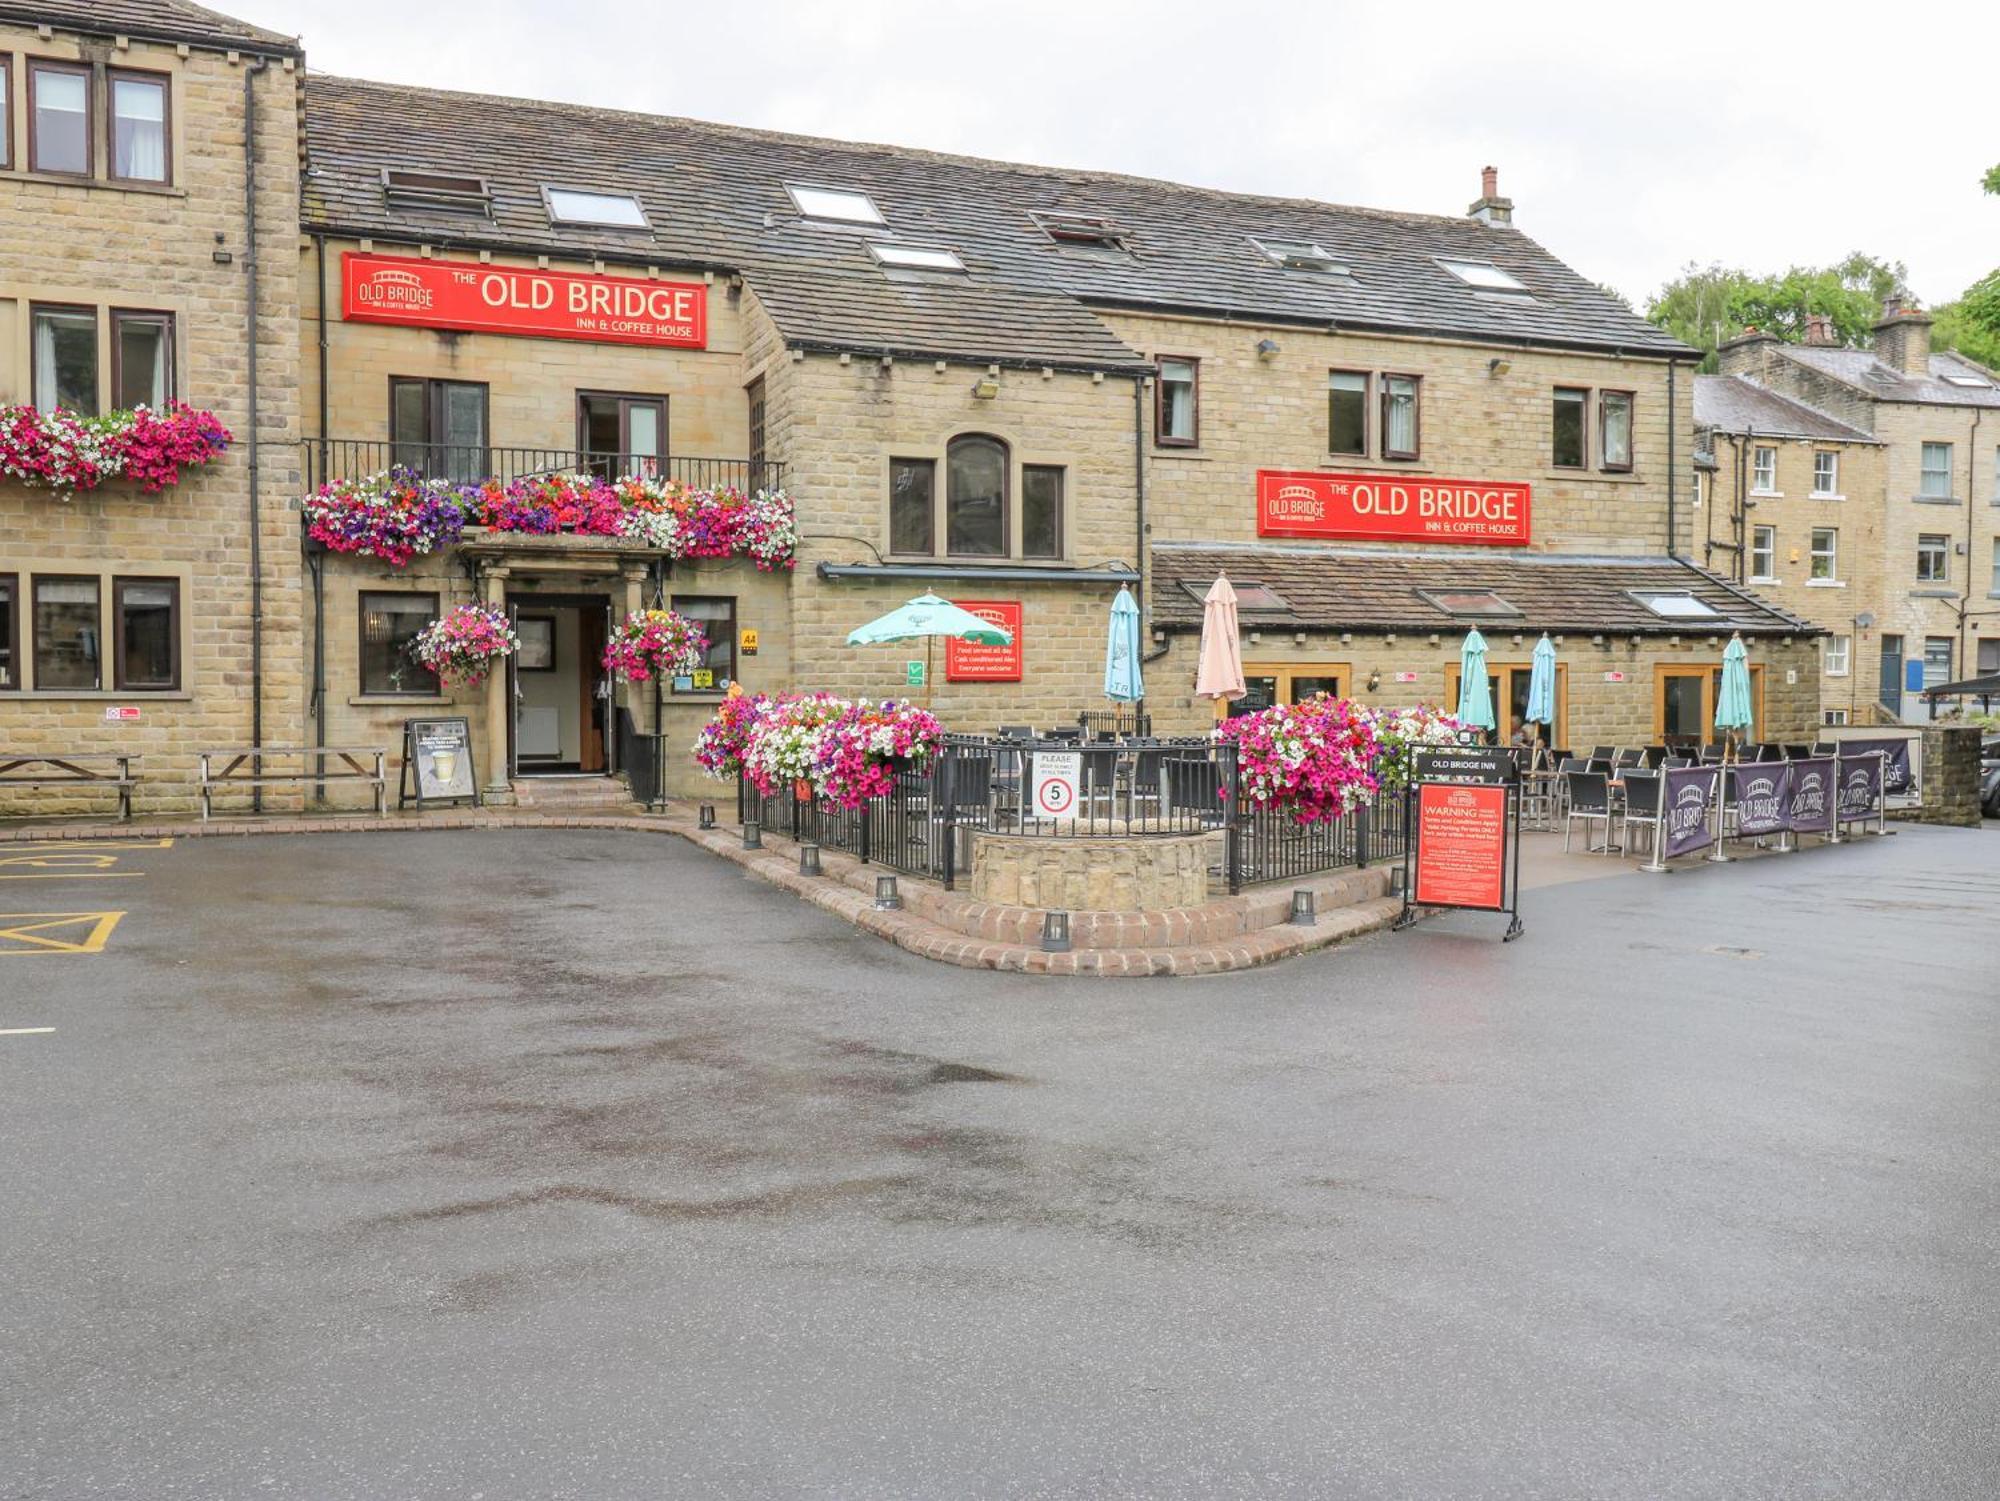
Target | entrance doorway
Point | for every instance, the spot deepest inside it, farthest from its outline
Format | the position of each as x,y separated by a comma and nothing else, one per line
562,723
1684,704
1267,684
1508,683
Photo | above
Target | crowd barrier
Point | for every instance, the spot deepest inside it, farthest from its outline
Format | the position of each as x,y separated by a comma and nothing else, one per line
1703,807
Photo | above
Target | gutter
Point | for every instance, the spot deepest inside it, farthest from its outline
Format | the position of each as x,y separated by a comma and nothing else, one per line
250,75
1116,573
318,565
28,15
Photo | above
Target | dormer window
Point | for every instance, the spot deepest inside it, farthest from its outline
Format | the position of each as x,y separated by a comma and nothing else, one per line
835,205
1303,255
1081,231
916,257
434,192
601,210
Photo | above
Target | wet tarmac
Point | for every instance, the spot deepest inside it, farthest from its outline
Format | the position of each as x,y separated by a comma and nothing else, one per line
570,1164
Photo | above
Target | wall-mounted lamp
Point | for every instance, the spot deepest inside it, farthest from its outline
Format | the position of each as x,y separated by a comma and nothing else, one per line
985,388
1499,365
1374,680
1267,349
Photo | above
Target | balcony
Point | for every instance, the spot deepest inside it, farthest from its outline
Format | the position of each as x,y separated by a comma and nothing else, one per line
324,460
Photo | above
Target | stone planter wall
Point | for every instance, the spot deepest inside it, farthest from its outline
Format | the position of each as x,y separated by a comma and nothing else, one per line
1090,875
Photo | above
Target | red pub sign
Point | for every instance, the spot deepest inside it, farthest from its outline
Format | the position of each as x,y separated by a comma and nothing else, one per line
517,300
1391,508
968,662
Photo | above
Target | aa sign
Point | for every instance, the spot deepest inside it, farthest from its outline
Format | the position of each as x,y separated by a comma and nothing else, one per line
1055,786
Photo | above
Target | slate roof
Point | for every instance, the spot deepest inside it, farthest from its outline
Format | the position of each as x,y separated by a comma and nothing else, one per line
1358,589
715,197
1860,368
1735,402
154,20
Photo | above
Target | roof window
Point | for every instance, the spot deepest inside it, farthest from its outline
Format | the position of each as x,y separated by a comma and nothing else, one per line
1302,255
1483,275
607,210
1480,602
1081,231
916,257
1670,605
837,205
1973,381
1251,598
437,191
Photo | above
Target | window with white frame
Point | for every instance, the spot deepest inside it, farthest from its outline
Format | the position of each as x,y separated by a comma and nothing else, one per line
1935,480
1933,558
1825,554
1833,662
1994,586
1763,554
1826,472
1833,716
1764,470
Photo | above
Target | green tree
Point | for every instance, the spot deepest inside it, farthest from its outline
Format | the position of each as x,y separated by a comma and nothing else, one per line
1970,323
1706,305
1991,181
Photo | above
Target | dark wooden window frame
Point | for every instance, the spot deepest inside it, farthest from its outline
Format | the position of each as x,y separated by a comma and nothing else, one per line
624,421
10,619
119,583
1367,397
1007,540
931,516
40,65
96,582
1631,431
361,643
97,373
1061,472
1160,435
730,599
433,389
1556,393
756,408
6,111
142,315
1416,448
139,75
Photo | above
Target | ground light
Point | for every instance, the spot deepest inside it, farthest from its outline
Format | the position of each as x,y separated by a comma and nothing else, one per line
1055,932
887,898
1303,913
809,860
707,820
753,834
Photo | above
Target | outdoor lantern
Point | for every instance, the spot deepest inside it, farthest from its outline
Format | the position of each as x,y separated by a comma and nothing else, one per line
707,820
809,860
1303,915
753,834
1055,932
887,898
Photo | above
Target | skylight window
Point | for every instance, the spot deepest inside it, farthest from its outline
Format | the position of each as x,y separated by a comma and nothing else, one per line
610,210
1251,598
1302,255
1483,275
917,257
838,205
1675,606
1081,231
1482,602
435,191
1969,380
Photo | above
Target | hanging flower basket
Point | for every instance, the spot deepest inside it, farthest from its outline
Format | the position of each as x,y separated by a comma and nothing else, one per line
654,643
462,647
1316,759
825,747
64,452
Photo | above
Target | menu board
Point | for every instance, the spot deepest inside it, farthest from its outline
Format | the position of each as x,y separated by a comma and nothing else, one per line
437,762
967,662
1461,852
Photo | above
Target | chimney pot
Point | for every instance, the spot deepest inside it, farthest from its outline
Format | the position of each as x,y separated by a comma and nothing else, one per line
1489,182
1491,208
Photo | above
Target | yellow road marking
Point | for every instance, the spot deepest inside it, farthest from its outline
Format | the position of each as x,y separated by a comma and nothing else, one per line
61,859
24,1031
37,932
74,875
64,846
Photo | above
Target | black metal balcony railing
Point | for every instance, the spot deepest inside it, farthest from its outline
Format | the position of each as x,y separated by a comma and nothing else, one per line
327,459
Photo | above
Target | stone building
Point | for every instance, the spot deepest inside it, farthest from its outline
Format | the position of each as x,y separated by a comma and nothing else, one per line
1937,417
129,256
1792,503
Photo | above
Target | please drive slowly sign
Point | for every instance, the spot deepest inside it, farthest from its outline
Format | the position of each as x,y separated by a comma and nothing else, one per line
1392,508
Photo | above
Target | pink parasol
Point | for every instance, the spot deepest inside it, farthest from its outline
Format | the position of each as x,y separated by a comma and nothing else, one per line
1220,674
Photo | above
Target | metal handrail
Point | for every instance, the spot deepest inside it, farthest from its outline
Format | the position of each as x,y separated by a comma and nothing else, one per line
327,459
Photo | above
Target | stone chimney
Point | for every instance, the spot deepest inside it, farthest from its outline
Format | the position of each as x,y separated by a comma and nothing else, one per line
1903,337
1819,331
1491,208
1746,354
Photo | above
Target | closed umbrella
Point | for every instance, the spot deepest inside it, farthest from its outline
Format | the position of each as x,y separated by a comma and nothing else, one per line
1732,704
1123,682
1475,698
926,618
1542,684
1220,673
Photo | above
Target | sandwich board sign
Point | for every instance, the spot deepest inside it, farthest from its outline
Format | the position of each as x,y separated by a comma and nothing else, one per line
437,763
1057,775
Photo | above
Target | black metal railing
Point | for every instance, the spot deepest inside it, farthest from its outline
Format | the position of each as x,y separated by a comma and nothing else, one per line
328,459
1140,789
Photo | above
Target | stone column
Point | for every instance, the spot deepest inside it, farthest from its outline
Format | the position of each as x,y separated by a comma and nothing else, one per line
1951,775
493,591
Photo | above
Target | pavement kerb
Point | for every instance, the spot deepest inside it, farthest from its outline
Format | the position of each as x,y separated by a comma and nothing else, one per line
777,864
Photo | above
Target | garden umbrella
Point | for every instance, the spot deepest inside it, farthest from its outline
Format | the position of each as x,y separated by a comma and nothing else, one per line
926,618
1475,698
1542,684
1220,672
1122,681
1732,703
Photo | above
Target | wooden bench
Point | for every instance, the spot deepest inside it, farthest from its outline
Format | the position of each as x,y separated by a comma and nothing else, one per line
232,758
72,772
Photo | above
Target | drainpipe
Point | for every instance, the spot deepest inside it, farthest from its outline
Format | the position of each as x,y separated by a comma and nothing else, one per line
1971,499
250,72
1673,457
1139,488
319,572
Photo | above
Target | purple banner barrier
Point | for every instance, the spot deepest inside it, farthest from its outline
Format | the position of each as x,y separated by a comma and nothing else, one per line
1813,794
1862,780
1686,795
1895,765
1762,796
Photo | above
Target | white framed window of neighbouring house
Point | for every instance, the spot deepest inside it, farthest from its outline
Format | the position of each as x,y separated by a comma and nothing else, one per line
1764,470
1934,480
1763,555
1825,555
1933,558
1826,473
1835,655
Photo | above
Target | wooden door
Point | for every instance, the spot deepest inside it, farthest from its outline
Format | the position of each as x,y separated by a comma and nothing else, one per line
590,635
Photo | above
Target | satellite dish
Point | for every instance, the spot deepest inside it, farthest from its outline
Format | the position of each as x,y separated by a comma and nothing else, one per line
1864,620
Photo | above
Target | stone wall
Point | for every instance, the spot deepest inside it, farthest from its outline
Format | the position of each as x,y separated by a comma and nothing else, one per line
1090,875
1950,789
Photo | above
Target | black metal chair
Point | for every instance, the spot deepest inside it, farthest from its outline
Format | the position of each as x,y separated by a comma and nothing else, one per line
1603,752
1675,763
1656,756
1627,759
1017,732
1588,797
1797,752
1642,804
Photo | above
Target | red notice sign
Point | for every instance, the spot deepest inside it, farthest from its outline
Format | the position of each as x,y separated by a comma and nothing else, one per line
516,300
1391,508
965,662
1461,847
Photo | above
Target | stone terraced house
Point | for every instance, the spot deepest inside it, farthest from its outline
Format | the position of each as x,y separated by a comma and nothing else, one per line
1020,387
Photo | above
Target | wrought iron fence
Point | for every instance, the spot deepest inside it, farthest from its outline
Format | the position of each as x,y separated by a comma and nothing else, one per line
327,459
1142,789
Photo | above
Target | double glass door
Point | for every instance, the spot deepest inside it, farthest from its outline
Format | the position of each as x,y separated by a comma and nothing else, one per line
1507,684
1684,704
1267,684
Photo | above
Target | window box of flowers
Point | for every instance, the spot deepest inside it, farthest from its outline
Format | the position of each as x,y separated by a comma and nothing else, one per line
64,453
395,516
651,644
462,646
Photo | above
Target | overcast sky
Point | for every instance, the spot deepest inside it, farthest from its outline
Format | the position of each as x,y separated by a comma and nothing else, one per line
1632,138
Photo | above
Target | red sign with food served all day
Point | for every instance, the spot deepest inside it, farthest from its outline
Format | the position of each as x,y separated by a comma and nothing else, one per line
1461,846
968,662
488,299
1391,508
